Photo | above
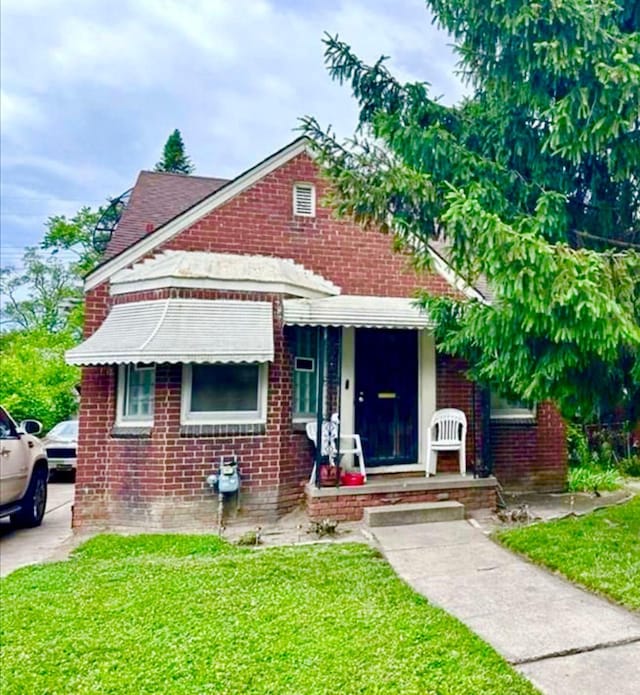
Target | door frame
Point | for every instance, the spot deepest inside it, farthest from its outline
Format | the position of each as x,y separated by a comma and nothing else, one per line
426,395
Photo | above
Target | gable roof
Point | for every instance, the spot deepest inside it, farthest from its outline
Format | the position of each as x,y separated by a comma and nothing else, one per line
148,242
157,197
173,202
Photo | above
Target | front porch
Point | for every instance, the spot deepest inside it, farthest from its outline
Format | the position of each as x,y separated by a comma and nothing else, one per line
376,376
346,503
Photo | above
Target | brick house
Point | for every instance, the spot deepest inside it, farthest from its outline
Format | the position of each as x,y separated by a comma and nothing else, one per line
228,314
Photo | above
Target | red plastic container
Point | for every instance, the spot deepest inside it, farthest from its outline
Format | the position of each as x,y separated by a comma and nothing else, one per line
352,479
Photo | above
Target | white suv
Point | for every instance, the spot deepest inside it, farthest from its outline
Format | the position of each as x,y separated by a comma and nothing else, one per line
23,471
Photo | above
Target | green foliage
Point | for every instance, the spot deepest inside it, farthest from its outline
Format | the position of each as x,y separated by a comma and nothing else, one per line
583,451
578,451
174,160
43,312
43,295
630,466
74,235
532,182
35,381
600,550
593,478
598,460
314,619
46,292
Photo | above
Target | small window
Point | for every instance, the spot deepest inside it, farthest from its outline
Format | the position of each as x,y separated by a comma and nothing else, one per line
501,408
304,200
136,390
305,364
224,393
304,373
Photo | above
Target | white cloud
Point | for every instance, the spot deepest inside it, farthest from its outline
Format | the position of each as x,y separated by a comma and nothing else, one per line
91,89
79,173
18,112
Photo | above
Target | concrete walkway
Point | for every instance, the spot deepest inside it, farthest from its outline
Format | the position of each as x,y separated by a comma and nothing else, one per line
564,640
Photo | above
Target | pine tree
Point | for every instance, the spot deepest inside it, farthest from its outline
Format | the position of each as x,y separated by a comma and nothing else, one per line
174,160
533,180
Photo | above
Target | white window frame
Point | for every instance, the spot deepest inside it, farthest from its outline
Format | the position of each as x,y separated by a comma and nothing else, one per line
128,420
510,412
240,417
304,184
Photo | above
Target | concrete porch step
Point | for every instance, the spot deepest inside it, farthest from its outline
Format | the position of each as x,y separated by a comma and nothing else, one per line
413,513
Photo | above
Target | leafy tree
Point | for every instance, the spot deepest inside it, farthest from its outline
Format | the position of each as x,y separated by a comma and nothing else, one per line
43,295
46,292
76,236
42,316
174,160
533,182
35,381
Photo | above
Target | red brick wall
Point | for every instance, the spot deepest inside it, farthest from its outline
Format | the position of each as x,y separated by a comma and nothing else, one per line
260,221
351,507
531,456
159,479
454,390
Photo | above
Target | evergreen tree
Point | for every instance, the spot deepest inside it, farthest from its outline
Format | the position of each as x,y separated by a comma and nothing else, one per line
174,160
534,181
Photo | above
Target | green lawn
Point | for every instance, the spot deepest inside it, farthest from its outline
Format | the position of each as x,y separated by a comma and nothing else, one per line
601,550
192,614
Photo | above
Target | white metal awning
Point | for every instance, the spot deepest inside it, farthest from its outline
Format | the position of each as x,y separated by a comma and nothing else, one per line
355,310
180,330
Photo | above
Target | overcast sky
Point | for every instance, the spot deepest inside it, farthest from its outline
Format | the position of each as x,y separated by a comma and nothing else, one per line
90,89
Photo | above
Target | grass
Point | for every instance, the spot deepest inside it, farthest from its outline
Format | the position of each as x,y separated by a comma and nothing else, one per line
192,614
601,550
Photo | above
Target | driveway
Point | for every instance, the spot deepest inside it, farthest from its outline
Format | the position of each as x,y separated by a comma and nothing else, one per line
20,547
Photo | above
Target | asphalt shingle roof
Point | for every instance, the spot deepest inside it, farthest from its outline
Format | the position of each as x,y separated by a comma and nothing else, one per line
157,198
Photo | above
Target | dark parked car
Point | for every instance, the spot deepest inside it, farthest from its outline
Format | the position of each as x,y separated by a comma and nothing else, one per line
62,444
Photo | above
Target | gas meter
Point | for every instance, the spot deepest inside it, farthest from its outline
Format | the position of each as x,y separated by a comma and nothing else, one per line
228,478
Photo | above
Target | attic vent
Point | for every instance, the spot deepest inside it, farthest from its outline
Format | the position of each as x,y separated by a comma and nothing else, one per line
304,200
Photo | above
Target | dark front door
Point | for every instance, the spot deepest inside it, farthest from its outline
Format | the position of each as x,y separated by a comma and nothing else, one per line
386,394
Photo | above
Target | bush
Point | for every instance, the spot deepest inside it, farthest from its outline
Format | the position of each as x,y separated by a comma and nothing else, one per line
578,449
631,466
597,457
592,478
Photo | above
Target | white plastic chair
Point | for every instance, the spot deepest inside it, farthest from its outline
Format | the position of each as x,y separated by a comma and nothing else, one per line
447,432
329,437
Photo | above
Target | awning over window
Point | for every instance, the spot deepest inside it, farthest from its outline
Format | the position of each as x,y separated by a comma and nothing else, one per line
180,330
355,310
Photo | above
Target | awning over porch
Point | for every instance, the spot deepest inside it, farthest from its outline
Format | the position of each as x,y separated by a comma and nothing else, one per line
357,311
180,330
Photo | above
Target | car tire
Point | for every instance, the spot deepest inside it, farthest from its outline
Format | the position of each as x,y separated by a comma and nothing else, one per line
34,503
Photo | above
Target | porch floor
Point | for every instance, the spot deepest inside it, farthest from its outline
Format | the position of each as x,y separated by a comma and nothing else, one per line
346,503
